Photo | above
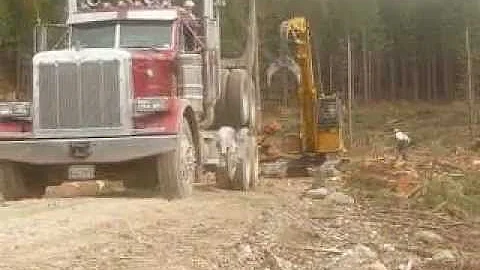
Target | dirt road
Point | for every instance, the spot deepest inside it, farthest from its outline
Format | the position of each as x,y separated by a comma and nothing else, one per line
271,228
129,232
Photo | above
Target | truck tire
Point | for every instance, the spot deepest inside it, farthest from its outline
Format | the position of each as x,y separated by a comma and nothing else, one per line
178,170
257,122
248,168
12,183
225,174
221,105
243,174
253,114
255,179
238,98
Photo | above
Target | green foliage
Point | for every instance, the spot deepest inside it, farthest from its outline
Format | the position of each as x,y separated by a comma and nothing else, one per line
17,18
403,30
234,17
408,25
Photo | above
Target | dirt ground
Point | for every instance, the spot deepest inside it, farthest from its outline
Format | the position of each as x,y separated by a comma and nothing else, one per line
279,226
275,227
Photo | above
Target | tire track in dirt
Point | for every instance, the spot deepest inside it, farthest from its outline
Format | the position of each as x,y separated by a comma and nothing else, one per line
214,229
127,233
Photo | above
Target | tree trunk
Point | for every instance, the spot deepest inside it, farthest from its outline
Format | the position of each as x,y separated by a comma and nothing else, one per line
403,91
350,93
416,79
429,79
330,73
365,71
470,94
285,90
319,69
446,79
378,76
370,76
392,79
434,77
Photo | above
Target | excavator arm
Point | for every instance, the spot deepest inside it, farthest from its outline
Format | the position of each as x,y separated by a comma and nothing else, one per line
320,129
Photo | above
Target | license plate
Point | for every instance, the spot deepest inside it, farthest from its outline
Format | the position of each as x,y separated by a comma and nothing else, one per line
81,172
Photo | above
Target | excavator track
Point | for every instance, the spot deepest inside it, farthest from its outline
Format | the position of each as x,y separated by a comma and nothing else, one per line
301,167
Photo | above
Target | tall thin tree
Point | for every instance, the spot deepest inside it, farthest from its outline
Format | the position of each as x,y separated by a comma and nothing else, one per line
470,94
350,92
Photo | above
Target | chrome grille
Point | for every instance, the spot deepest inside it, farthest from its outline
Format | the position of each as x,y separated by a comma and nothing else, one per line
74,96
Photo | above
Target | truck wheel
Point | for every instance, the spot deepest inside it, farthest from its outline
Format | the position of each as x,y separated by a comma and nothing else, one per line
178,170
253,114
257,123
239,170
238,98
221,107
255,163
226,171
11,181
250,167
243,173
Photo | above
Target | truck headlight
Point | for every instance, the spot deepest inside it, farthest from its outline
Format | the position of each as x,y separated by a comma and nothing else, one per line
151,105
5,110
15,109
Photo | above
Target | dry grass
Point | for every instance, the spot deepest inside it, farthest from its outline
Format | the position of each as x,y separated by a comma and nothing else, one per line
438,126
458,195
440,133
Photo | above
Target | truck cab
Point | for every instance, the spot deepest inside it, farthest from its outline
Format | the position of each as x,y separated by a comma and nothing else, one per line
136,96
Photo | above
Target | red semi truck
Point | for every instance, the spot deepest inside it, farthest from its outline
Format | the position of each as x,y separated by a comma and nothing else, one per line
138,95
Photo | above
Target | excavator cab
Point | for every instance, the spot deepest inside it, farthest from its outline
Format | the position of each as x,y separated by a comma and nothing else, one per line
320,114
328,124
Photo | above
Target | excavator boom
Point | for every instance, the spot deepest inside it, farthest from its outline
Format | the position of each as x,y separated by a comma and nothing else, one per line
320,129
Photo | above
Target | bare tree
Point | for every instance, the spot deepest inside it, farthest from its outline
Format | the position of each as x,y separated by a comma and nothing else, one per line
470,94
350,92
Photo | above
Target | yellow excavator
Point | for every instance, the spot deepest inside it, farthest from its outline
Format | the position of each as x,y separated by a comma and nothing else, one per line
320,114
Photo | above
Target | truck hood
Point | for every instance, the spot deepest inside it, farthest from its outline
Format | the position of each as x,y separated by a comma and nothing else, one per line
83,55
153,55
161,67
86,55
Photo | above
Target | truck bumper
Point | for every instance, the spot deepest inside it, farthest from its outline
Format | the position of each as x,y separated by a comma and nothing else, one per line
83,151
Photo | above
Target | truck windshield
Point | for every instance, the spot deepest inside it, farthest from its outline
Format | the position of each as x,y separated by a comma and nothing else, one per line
142,34
133,34
94,35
